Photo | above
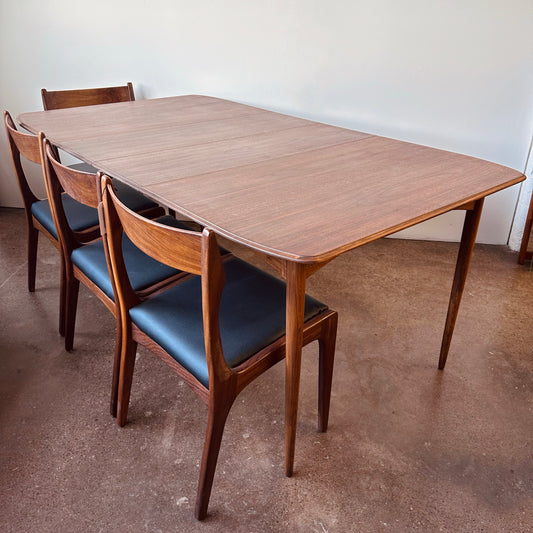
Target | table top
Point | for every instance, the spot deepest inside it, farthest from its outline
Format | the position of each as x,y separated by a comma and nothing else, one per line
289,187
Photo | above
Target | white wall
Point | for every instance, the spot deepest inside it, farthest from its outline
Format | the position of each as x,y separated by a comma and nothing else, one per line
455,74
522,208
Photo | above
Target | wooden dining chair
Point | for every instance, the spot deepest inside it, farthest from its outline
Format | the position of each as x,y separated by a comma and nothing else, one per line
86,262
84,97
219,329
82,219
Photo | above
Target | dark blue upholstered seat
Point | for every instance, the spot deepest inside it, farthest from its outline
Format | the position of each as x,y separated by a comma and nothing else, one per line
82,216
252,315
133,199
79,216
143,271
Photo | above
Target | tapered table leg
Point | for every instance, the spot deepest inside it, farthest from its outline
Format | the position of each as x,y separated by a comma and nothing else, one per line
468,240
295,274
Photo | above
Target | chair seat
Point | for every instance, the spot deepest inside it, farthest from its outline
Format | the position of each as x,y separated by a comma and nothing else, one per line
143,271
252,316
133,199
79,215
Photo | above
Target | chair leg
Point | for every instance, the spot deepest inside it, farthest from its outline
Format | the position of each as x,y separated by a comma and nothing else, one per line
116,371
33,239
216,420
125,378
72,286
325,374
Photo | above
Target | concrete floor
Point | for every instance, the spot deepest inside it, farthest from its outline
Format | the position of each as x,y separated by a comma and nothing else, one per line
409,448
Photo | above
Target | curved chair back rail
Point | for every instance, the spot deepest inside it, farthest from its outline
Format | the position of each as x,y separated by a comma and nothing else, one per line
26,144
81,186
85,97
179,249
218,329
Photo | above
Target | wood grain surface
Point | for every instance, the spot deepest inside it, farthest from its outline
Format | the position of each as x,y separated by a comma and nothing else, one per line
289,187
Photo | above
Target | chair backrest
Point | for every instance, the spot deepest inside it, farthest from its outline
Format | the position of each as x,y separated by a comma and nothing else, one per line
81,186
27,146
85,97
190,251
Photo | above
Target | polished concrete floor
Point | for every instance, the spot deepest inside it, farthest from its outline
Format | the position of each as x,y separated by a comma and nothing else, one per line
409,447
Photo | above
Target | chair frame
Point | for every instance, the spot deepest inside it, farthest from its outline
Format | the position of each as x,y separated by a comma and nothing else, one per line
27,145
198,254
83,187
85,97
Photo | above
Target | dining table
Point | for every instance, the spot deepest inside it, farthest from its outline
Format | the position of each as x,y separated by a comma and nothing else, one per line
298,192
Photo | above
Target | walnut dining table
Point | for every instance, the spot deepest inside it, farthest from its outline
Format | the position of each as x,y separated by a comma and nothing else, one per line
299,192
